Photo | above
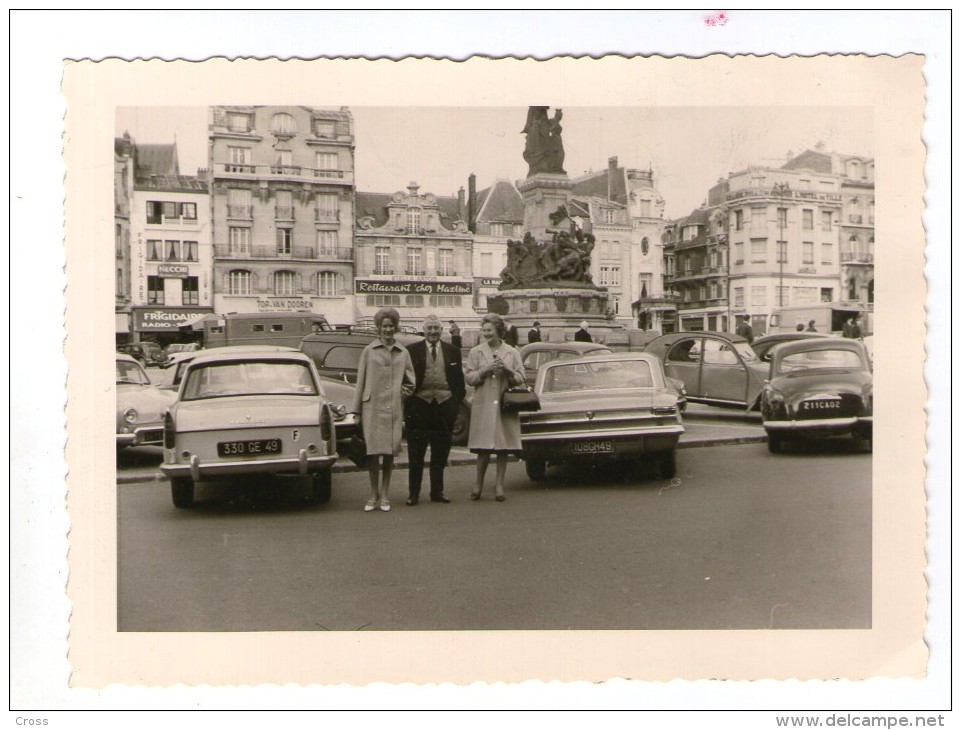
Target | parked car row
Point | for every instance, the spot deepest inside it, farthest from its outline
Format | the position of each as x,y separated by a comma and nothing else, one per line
270,409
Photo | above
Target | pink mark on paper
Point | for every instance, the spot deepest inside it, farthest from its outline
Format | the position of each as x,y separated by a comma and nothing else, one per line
716,19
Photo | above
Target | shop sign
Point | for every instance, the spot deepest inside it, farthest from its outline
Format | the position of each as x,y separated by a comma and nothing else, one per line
178,270
490,282
283,304
368,286
164,320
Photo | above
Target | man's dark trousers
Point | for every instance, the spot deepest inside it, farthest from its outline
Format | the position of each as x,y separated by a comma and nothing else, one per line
429,424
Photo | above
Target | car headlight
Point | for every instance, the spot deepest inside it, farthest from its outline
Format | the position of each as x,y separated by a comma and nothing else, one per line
867,398
130,415
774,401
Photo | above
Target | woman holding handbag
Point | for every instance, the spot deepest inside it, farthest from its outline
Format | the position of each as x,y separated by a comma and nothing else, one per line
385,375
492,367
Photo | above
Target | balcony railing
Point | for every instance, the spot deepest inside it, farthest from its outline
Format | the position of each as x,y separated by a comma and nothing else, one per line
415,272
311,253
287,170
240,168
283,213
240,211
326,216
856,257
383,272
799,195
277,171
336,174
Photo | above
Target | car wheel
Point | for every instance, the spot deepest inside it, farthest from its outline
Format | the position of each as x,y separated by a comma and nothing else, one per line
182,492
461,426
667,464
775,442
321,486
536,469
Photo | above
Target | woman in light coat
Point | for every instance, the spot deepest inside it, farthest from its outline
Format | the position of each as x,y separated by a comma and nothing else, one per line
385,375
493,366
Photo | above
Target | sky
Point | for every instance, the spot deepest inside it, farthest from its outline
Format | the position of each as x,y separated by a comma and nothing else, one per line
688,148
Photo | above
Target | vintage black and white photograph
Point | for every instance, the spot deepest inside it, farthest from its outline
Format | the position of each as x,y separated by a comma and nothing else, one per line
323,314
418,385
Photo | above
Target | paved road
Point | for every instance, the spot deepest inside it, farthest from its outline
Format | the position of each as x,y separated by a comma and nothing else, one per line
741,540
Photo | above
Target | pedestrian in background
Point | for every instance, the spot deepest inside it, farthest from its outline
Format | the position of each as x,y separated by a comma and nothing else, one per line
535,334
811,327
430,412
385,376
799,326
510,334
745,330
852,328
492,367
583,334
455,338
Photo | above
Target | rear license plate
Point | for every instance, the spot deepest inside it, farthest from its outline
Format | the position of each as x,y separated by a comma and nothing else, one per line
248,448
821,405
592,447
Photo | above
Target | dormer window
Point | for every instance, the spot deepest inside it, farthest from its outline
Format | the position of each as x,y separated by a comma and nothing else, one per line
325,128
238,122
283,124
413,220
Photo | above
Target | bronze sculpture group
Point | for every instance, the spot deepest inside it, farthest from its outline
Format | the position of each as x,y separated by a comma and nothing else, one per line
566,259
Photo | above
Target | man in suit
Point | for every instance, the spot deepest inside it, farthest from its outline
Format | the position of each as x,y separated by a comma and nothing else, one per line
510,333
583,334
430,412
535,334
745,330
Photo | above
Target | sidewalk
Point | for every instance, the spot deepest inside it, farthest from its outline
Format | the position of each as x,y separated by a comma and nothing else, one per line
697,435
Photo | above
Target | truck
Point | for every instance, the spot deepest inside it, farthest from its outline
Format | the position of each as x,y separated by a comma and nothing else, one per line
829,317
269,328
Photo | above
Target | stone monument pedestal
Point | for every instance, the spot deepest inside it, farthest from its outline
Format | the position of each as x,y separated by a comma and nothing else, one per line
559,308
543,194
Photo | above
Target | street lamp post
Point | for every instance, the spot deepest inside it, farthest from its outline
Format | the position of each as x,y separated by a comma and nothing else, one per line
781,190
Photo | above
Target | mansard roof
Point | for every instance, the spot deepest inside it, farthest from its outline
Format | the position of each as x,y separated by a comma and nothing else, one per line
502,202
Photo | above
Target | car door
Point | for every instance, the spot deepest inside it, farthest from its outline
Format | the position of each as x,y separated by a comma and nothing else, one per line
725,378
683,361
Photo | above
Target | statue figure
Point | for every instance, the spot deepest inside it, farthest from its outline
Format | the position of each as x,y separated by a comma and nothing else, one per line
544,151
567,258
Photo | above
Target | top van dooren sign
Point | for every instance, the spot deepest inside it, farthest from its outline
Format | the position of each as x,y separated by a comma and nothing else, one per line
370,286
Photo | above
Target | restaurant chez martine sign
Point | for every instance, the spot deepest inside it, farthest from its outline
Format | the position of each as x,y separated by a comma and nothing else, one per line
370,286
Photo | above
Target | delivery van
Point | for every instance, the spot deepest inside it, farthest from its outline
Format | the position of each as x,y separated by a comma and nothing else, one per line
829,317
286,329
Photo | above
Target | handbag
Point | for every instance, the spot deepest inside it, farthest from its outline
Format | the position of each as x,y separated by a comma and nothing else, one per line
520,398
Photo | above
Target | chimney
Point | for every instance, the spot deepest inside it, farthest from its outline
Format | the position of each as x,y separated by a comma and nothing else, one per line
472,202
611,172
461,208
413,188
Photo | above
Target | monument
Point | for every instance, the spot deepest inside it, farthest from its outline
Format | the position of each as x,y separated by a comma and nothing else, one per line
548,274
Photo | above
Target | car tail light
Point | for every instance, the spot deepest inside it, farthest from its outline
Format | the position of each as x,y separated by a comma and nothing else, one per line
170,432
326,423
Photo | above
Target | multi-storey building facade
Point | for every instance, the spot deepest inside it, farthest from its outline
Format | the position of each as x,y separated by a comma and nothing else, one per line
123,177
413,252
282,201
169,255
856,221
496,215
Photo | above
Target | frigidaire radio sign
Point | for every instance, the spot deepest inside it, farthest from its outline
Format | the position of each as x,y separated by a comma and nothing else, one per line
368,286
158,319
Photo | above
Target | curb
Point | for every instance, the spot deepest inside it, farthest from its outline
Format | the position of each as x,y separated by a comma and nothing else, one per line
458,459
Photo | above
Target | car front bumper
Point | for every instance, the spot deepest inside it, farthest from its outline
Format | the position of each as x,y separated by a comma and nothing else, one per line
624,444
820,424
197,469
143,436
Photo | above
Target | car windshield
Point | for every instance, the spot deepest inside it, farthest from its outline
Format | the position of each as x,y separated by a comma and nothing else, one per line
249,377
810,359
131,372
598,376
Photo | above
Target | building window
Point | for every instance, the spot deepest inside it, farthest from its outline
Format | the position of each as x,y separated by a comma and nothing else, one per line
283,123
758,251
444,300
239,203
327,243
285,241
645,207
283,162
608,215
738,253
155,290
284,206
155,210
415,262
326,162
382,260
758,296
324,128
327,209
383,300
189,251
758,218
414,300
825,220
738,220
504,230
739,296
413,220
782,295
191,291
328,284
154,250
782,218
238,282
445,262
807,253
238,159
240,241
119,281
284,283
805,295
487,264
827,254
807,219
237,122
171,250
827,294
782,252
